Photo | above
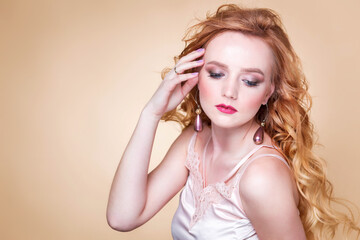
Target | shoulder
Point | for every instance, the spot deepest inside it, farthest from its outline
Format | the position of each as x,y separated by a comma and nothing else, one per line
267,174
267,181
187,134
268,192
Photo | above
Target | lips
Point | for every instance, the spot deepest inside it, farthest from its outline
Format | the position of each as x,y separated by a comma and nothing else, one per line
226,108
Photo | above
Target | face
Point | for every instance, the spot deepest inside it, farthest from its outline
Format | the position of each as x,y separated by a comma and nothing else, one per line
235,79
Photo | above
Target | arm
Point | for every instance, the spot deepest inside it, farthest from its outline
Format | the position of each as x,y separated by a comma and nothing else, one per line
135,195
269,198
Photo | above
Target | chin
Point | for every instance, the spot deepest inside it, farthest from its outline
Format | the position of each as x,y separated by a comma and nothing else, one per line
227,124
230,121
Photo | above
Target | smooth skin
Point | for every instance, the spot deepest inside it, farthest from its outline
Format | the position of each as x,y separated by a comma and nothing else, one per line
235,71
135,195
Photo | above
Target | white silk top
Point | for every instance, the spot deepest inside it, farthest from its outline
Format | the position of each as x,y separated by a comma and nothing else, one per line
213,212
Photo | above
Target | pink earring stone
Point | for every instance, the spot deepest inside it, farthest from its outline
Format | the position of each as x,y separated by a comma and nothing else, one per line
259,136
198,123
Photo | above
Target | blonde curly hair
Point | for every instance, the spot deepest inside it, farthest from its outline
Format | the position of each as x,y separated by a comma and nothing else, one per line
288,121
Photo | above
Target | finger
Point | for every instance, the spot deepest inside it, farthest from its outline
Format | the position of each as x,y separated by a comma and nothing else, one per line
184,77
180,68
192,56
172,83
189,84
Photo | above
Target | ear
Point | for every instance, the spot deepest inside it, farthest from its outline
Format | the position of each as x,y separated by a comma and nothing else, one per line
269,93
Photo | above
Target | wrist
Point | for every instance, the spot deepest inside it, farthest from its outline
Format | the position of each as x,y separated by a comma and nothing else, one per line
150,115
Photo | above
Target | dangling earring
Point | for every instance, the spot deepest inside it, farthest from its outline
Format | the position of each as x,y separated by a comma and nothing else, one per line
198,126
259,134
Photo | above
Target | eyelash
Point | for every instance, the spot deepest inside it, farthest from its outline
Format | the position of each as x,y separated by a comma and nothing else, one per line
247,82
216,75
250,83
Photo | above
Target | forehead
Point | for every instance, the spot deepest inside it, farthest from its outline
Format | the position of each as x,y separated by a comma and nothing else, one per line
237,50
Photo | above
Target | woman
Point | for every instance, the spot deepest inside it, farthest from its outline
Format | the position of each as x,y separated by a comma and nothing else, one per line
247,170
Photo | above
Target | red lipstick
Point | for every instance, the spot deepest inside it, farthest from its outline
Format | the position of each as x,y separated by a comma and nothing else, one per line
226,108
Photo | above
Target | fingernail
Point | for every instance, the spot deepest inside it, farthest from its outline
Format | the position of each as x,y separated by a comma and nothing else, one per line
195,73
200,61
200,50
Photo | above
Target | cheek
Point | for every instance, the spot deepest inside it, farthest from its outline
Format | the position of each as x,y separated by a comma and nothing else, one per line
251,99
205,89
202,86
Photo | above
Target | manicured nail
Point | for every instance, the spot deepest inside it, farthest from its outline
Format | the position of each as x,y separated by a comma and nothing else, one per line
200,50
195,73
200,61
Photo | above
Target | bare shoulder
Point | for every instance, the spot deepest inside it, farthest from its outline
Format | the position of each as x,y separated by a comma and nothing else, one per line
268,192
202,137
185,137
183,140
268,175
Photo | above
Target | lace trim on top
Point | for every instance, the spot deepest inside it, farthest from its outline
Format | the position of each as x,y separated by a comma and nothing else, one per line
204,197
212,193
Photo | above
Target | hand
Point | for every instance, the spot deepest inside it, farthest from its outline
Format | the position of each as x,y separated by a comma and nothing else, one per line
170,92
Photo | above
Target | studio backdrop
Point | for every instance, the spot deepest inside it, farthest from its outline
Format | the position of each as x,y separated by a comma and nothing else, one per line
75,75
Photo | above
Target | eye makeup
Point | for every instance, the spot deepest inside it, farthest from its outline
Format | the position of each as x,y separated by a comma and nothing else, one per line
251,80
251,77
250,83
216,74
248,80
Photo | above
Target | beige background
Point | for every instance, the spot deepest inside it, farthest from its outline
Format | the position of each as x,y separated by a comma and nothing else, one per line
76,74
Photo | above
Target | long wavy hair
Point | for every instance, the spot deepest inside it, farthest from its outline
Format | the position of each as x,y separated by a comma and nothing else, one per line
288,121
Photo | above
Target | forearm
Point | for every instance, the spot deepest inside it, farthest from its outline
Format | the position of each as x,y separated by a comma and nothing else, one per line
129,191
129,188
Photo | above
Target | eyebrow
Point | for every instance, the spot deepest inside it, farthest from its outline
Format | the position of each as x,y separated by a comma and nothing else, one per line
247,70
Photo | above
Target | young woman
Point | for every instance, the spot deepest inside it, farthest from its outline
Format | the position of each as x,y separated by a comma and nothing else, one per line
244,158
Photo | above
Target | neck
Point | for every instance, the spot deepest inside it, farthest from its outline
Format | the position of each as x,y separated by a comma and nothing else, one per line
232,142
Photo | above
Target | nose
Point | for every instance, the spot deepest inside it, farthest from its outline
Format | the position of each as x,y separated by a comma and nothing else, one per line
230,88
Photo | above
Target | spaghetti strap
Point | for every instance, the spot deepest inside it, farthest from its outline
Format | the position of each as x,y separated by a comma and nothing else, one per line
191,146
275,156
243,161
259,156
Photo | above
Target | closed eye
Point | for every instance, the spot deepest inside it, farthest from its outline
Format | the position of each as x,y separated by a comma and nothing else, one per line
250,83
216,75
